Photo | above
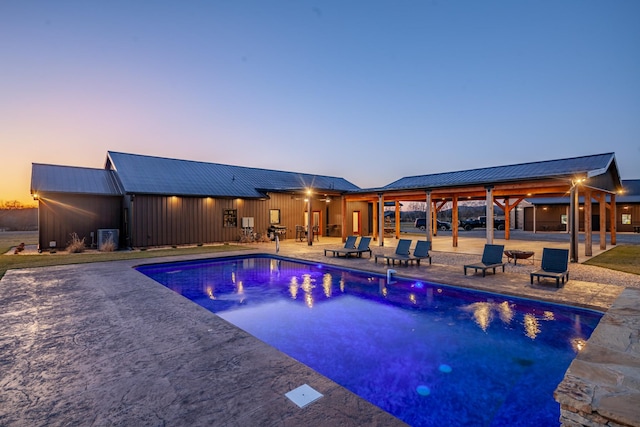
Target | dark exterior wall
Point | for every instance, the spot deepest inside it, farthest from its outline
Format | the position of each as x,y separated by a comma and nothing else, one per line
59,215
549,219
168,220
631,209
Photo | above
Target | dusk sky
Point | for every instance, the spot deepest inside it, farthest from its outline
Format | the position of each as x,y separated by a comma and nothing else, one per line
366,90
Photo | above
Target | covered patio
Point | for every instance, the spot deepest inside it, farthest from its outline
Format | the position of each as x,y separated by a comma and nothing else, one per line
595,177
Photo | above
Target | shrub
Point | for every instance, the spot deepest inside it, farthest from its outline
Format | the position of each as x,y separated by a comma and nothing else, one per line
76,245
108,245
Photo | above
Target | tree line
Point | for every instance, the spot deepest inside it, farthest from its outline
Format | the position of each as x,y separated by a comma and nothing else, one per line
17,216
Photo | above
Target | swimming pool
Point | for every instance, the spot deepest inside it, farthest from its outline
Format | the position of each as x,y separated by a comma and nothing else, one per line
431,355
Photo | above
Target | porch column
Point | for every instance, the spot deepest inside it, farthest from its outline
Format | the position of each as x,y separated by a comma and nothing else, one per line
374,220
603,221
381,219
343,221
429,219
612,219
588,226
397,213
310,221
573,224
489,212
507,219
454,220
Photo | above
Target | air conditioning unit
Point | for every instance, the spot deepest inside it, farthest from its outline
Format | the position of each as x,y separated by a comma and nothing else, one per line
108,234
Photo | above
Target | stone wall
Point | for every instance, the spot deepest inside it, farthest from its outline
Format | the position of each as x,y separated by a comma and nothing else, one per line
602,385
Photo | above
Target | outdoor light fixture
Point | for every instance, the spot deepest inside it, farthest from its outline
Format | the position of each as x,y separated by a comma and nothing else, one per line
35,196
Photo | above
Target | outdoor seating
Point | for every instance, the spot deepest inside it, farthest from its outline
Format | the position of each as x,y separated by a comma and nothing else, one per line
491,259
401,253
301,232
554,265
350,243
421,251
363,246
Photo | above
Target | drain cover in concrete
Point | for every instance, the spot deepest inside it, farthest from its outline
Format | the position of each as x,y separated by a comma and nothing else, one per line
303,395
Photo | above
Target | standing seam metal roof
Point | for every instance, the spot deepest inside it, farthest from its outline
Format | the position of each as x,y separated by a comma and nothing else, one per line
75,180
158,175
590,165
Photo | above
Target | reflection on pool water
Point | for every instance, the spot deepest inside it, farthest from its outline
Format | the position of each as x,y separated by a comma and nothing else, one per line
431,355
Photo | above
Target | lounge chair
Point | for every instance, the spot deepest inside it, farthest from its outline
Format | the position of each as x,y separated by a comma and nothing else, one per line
421,251
401,253
491,259
363,246
554,265
350,243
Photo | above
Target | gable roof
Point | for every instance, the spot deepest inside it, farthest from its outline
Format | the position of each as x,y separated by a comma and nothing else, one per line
596,166
70,179
158,175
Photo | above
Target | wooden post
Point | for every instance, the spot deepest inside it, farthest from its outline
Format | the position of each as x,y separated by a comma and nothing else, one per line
310,222
603,221
489,213
612,219
381,219
343,225
454,220
397,230
374,221
588,226
429,218
573,224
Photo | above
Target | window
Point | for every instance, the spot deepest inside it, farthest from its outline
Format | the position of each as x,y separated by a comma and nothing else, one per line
626,219
230,218
274,216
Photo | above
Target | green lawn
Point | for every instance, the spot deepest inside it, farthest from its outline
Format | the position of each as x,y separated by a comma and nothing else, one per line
9,240
621,258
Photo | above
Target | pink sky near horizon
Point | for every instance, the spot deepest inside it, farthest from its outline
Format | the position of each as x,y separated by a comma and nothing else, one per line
371,92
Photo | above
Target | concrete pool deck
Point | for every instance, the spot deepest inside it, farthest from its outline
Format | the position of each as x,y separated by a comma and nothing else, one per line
101,344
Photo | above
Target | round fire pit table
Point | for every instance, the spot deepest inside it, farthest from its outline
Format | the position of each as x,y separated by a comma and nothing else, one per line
516,255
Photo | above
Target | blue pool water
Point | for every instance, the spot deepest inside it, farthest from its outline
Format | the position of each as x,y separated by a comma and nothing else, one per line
429,354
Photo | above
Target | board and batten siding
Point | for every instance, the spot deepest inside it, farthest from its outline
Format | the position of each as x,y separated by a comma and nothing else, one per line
60,215
173,220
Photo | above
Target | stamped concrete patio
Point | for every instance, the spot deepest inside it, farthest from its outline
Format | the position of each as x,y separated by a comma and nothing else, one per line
101,344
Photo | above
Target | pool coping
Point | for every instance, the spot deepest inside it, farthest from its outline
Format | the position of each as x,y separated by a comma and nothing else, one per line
80,346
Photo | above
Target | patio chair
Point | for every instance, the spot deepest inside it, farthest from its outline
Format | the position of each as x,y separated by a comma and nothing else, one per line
554,265
401,253
350,243
491,259
363,246
421,251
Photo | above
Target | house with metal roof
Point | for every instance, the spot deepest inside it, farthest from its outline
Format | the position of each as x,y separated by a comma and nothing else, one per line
155,201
